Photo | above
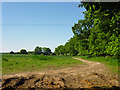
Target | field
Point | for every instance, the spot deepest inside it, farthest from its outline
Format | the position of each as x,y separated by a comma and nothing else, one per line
19,63
110,62
40,71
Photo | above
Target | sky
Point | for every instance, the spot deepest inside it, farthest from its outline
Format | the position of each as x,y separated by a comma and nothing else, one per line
26,25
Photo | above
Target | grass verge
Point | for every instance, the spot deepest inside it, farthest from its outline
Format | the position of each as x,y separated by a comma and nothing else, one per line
110,62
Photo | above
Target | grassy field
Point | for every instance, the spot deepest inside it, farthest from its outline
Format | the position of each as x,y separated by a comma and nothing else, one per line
110,63
33,63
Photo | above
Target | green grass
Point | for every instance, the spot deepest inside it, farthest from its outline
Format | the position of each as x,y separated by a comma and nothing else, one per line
17,63
110,62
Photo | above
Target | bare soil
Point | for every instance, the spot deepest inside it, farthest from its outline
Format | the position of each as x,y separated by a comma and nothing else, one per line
91,74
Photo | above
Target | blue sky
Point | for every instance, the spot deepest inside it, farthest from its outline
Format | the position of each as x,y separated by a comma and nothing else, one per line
26,25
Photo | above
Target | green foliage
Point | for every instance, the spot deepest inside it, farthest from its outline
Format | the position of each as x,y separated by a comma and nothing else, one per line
68,49
59,50
43,51
46,51
38,50
23,51
98,34
104,33
30,52
42,54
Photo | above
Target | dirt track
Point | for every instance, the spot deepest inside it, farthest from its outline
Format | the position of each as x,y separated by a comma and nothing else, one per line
91,74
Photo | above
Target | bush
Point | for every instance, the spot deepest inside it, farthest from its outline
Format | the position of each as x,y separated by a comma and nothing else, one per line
11,52
38,50
42,54
23,51
30,52
46,51
17,53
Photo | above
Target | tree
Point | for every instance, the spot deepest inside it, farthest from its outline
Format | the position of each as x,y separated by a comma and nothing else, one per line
38,50
11,52
70,47
99,30
23,51
46,51
53,54
59,51
98,34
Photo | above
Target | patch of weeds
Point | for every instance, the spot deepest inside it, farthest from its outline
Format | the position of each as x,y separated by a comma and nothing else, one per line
39,64
45,58
16,62
5,59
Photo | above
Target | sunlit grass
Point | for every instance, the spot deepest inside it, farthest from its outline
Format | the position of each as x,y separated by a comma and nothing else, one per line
110,62
33,63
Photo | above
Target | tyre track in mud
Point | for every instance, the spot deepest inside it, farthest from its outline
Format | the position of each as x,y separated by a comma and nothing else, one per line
91,74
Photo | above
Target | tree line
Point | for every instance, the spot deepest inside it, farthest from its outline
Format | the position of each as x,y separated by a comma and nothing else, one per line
38,50
98,34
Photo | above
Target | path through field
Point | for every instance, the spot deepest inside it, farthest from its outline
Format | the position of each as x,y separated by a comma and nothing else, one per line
91,74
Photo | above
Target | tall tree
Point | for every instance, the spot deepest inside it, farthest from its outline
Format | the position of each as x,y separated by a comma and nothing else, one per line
59,51
98,34
99,29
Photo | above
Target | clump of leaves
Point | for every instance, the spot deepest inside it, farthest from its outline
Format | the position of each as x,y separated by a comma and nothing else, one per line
97,34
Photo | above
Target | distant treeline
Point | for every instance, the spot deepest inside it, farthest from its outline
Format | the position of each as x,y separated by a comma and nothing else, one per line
38,50
98,34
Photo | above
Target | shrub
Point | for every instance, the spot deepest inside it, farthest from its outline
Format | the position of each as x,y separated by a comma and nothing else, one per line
11,52
23,51
30,52
38,50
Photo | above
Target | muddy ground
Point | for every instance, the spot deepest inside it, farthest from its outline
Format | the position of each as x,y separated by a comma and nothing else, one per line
91,74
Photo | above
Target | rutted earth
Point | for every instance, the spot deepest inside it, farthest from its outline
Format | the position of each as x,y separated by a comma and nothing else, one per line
91,74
